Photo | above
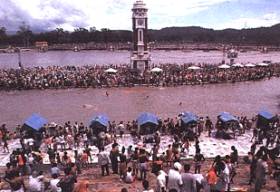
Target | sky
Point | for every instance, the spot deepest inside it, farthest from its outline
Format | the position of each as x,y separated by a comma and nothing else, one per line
42,15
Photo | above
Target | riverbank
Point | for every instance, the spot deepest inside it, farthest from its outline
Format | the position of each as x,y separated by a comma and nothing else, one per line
165,46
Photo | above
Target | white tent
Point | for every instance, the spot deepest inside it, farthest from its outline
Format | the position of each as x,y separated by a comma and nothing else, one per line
250,65
156,70
194,67
224,66
238,65
111,70
262,64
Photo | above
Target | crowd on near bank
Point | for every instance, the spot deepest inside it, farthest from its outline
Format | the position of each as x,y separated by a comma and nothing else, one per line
173,173
59,77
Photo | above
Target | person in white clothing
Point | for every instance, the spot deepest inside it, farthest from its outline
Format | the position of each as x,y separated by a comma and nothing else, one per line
35,182
161,181
53,183
175,178
129,177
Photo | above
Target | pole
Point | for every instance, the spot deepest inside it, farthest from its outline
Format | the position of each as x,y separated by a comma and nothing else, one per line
19,58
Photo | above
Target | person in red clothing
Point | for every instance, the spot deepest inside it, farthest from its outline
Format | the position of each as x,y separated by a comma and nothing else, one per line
82,186
21,160
212,178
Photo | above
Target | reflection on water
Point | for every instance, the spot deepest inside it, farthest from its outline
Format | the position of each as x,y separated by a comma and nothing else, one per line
126,103
62,58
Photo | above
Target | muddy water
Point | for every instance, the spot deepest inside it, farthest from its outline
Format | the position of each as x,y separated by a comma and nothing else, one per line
245,98
62,58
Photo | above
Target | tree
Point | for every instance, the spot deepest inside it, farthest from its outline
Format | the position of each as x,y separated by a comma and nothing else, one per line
61,36
3,35
106,34
80,35
257,36
92,29
25,33
3,32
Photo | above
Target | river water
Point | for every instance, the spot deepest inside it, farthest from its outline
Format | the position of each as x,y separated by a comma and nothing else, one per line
62,58
245,98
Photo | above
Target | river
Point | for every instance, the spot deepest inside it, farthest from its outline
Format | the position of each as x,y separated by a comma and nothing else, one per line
245,98
62,58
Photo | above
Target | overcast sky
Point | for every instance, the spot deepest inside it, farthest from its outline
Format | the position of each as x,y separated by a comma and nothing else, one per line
116,14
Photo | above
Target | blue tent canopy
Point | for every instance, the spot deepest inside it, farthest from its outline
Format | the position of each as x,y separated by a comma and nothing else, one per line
36,122
188,117
100,119
147,118
227,117
267,115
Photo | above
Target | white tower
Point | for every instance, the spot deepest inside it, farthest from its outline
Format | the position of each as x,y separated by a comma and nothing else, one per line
140,57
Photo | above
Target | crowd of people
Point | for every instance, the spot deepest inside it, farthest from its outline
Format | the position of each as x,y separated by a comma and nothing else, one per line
173,172
59,77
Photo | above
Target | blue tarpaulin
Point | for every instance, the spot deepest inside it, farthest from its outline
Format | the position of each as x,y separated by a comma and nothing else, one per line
188,117
36,122
226,117
100,119
267,115
147,118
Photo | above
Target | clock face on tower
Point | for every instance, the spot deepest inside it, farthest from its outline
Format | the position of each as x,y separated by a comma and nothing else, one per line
140,22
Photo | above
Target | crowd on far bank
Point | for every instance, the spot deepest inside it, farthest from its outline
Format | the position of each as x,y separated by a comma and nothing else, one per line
172,172
59,77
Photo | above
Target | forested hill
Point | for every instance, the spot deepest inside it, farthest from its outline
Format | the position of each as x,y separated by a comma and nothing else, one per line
262,35
255,36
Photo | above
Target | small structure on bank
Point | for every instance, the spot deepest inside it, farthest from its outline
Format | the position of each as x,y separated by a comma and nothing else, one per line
42,46
188,122
193,67
237,65
99,124
224,66
76,49
33,128
156,70
232,54
249,65
189,119
226,126
99,127
147,123
111,70
265,119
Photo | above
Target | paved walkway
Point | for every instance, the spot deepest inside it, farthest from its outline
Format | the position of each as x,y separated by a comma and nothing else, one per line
210,147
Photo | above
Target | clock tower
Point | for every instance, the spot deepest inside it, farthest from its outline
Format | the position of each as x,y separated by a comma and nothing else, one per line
140,56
